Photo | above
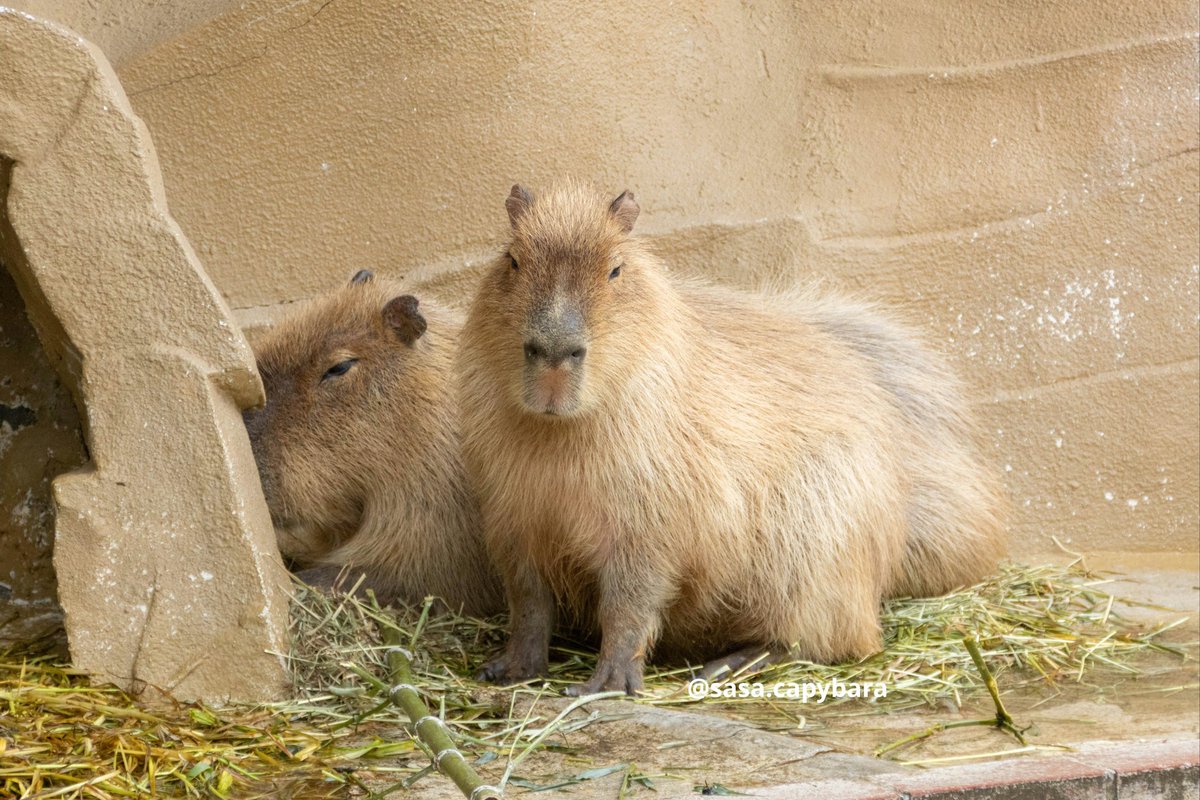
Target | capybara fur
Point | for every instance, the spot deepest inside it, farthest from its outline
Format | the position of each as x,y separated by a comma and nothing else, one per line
698,470
358,446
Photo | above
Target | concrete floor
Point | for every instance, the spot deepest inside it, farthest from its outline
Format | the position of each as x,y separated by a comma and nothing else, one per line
1087,739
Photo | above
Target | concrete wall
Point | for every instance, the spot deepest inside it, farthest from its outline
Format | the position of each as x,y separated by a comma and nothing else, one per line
1021,177
124,29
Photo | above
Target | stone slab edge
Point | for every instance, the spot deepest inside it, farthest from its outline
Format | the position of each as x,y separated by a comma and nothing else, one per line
1167,768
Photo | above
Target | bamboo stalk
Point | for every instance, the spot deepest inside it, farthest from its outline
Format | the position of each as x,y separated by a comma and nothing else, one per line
936,728
1004,720
1029,748
429,729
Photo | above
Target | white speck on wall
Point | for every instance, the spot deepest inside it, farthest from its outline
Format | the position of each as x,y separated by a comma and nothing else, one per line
1116,319
208,576
1109,496
1132,502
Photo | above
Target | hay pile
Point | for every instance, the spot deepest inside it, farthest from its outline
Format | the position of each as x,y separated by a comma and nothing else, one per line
60,736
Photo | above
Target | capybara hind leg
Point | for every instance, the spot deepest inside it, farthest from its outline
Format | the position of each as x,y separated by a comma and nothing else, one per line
754,657
531,610
845,640
343,578
335,578
327,578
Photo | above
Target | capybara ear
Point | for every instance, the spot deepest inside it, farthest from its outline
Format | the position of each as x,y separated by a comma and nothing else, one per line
362,276
518,202
402,315
625,210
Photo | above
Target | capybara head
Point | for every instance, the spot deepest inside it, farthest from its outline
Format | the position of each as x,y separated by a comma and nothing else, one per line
566,299
340,376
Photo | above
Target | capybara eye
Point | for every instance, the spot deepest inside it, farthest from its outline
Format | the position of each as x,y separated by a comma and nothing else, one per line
616,271
340,368
515,266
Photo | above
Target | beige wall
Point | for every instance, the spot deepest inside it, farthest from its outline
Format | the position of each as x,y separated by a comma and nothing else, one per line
1022,177
123,29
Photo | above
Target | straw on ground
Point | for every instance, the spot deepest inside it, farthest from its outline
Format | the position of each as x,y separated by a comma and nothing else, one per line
61,736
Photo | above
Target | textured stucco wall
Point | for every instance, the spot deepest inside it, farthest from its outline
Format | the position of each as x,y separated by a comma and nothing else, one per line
1021,177
123,29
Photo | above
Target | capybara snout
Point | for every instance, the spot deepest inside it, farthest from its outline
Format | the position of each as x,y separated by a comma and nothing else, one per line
555,336
554,349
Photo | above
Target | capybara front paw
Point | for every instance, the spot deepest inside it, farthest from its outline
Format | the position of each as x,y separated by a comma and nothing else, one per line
611,677
509,669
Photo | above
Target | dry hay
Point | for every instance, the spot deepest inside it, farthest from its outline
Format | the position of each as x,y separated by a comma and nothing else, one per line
61,736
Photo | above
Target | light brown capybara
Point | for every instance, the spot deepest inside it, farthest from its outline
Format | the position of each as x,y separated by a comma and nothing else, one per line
704,472
358,446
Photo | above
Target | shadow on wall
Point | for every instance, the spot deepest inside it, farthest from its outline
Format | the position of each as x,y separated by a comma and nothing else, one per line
40,439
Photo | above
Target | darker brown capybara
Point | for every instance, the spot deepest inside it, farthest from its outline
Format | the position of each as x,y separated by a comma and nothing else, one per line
358,446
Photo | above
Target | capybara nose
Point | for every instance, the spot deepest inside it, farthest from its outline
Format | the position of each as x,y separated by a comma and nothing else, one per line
554,353
556,335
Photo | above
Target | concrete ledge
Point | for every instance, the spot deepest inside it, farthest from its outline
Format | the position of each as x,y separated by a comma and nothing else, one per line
1165,768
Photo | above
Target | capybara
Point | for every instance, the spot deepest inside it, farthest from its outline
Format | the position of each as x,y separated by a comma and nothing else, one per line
698,470
358,446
